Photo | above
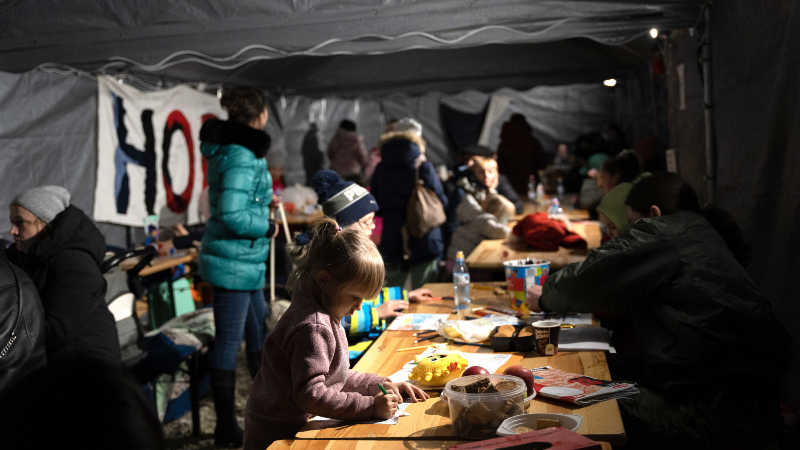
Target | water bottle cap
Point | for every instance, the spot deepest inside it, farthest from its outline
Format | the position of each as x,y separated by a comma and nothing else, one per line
460,255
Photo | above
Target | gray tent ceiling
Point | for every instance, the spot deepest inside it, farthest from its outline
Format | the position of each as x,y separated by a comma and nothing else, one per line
322,46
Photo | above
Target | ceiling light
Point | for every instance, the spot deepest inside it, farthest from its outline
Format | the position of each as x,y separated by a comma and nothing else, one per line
610,82
653,33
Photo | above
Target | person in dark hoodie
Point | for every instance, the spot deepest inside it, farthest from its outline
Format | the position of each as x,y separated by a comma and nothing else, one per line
680,272
519,154
236,243
402,154
60,249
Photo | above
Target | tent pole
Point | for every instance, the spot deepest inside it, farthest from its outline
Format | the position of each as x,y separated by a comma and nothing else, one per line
711,157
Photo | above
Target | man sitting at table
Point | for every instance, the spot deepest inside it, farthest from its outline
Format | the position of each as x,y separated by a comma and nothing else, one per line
354,207
711,349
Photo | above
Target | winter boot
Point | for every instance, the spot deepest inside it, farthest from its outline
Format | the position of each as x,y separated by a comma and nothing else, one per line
228,432
254,363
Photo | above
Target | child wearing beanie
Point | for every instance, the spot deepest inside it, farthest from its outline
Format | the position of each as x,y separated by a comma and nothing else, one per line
612,211
354,207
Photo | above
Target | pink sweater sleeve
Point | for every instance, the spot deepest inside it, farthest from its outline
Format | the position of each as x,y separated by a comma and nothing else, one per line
363,383
310,355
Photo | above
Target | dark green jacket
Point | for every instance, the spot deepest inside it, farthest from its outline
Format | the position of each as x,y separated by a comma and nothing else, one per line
699,317
235,245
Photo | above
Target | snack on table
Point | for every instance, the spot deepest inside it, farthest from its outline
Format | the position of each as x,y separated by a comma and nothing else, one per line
541,424
480,403
523,429
505,331
471,385
525,332
451,333
439,368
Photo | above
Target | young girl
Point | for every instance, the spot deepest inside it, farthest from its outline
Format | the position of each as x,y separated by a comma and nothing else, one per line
305,364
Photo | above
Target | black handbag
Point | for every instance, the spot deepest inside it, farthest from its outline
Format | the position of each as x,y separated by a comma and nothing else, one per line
22,349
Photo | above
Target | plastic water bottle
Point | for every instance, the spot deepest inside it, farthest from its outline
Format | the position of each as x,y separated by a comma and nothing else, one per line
461,287
554,209
531,189
540,193
560,189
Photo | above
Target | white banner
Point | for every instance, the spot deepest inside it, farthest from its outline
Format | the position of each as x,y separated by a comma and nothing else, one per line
148,152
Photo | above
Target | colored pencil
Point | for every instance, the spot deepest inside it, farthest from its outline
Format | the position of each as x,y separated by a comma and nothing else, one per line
426,338
383,389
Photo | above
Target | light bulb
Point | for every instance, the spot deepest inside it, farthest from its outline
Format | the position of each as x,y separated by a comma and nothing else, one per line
653,33
610,82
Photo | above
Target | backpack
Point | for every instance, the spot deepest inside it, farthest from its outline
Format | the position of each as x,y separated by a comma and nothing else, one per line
424,211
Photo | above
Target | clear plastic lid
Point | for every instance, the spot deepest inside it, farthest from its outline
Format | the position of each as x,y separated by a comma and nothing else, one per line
520,391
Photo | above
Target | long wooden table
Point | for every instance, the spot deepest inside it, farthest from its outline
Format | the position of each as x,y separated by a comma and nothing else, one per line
301,444
430,420
491,253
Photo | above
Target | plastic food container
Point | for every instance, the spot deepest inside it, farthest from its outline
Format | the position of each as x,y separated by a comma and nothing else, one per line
477,416
509,426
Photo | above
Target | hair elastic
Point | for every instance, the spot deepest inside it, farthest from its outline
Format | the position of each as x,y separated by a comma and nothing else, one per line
338,228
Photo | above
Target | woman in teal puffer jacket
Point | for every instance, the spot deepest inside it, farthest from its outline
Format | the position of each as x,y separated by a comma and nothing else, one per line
236,243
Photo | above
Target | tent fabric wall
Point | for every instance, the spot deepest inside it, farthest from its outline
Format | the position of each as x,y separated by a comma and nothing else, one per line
48,135
556,113
225,33
756,70
48,127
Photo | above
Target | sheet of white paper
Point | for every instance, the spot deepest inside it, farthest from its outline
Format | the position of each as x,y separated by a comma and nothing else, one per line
408,322
393,421
574,319
586,346
489,361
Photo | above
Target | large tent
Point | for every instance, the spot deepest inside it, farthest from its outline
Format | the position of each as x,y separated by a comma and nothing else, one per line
322,60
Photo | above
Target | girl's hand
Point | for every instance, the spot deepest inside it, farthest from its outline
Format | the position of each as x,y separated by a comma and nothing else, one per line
385,406
410,390
420,295
532,298
387,309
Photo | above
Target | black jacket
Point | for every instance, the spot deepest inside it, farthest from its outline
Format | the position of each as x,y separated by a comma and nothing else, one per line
21,325
64,267
392,184
699,318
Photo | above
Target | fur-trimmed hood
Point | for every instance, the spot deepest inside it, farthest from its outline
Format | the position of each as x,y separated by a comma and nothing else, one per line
407,135
226,132
401,148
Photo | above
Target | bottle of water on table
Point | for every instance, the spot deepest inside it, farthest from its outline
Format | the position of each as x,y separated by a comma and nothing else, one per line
531,189
554,209
461,287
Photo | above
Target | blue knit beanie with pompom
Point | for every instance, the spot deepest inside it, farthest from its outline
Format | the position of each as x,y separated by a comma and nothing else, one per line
342,200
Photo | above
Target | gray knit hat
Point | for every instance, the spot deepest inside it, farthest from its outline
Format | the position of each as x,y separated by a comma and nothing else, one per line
46,202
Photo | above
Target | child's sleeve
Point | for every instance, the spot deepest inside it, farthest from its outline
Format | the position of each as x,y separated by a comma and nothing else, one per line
311,351
367,321
494,229
363,383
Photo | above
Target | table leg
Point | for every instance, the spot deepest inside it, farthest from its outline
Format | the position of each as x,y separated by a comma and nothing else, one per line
194,374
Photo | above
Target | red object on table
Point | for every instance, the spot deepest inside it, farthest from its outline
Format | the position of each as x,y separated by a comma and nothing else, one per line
539,231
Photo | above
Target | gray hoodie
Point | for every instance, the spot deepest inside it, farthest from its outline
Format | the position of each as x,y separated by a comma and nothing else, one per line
475,226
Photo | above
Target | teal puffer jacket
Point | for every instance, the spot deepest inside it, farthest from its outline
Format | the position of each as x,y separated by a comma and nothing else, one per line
235,245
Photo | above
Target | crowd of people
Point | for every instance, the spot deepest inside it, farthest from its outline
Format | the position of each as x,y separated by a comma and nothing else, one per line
674,269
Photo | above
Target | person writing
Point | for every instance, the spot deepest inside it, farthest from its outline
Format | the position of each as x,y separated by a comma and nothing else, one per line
60,249
305,368
353,207
698,317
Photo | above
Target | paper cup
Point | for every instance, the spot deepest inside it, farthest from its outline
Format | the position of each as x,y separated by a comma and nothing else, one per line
545,334
522,274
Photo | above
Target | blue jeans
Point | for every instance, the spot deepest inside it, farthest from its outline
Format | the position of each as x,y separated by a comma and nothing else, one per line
237,312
